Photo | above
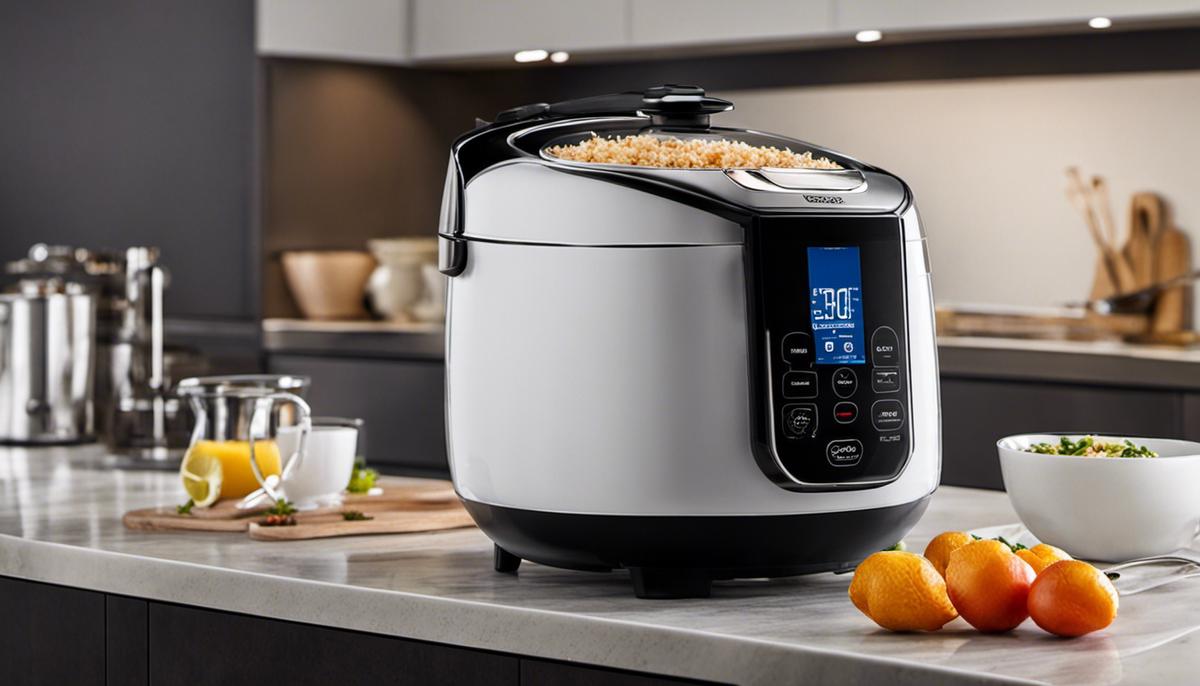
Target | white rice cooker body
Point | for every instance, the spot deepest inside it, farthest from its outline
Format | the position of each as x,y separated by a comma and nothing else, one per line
614,366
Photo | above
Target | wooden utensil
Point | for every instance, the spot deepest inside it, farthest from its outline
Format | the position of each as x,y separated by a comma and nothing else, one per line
166,519
1172,260
1119,274
331,525
1104,202
396,495
1146,215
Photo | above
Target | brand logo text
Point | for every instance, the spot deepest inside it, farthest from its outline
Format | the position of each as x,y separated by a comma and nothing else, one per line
825,199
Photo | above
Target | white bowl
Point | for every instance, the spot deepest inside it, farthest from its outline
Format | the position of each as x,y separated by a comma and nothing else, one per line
1102,508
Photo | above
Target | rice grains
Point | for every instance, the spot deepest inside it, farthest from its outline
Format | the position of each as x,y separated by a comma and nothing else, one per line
692,153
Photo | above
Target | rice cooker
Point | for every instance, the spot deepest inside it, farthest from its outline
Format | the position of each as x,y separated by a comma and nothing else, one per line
693,374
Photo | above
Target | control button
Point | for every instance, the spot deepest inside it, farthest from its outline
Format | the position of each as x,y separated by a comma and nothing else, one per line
845,413
844,453
887,415
885,347
798,385
797,349
844,382
885,380
799,421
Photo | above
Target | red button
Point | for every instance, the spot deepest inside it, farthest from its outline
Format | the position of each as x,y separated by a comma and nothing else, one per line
845,413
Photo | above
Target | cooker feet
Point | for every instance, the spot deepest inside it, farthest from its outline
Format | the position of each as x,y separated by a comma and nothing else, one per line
505,561
657,582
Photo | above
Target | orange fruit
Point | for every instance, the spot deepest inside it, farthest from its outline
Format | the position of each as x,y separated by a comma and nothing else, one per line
939,549
1072,598
901,591
1042,556
989,585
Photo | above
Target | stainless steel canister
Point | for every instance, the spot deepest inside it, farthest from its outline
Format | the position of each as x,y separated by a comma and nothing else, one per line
47,358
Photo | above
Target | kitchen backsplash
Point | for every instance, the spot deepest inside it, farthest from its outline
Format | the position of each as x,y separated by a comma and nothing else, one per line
353,152
986,159
356,152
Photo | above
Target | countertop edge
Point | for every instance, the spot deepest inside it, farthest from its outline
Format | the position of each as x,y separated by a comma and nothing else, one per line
478,625
1113,365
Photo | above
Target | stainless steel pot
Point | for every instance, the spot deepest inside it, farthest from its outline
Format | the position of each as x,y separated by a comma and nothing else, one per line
47,356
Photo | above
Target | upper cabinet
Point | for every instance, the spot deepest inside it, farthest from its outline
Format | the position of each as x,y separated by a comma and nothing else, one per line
663,23
465,29
948,15
491,31
357,30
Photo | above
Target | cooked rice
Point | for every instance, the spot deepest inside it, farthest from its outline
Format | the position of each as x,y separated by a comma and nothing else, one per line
692,153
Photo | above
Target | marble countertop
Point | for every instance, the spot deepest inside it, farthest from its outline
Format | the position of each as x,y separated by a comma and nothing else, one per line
60,523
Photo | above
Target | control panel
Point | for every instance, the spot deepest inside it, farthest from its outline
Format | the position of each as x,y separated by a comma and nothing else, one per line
830,310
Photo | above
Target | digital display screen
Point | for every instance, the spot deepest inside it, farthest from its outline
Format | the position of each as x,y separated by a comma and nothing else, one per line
835,305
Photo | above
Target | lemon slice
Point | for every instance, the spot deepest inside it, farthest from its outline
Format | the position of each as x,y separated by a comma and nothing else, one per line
201,474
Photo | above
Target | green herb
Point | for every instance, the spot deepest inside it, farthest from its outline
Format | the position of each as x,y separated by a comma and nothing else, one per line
186,508
1012,546
1089,446
355,516
361,478
281,507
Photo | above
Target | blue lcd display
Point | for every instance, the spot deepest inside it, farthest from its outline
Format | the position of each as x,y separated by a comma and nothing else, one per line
835,303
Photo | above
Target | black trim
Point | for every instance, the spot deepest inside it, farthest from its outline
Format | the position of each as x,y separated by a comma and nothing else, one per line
668,104
677,556
807,461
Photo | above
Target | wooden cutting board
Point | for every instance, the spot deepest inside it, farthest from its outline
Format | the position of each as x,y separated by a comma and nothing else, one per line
330,525
397,496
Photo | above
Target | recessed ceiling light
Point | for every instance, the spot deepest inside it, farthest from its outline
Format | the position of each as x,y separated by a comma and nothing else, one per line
1099,22
530,55
559,56
868,36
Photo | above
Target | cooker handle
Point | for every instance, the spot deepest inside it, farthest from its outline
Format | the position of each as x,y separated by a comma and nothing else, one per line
669,104
452,249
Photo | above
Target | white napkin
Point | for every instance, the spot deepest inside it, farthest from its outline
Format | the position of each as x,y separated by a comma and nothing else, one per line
1131,580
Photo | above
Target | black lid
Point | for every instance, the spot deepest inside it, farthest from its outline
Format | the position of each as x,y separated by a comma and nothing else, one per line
667,105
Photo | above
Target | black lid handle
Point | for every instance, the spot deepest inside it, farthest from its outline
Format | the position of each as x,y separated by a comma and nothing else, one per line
667,105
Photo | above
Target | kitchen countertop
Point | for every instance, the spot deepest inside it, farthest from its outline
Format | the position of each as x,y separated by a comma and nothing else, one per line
374,339
1103,363
60,523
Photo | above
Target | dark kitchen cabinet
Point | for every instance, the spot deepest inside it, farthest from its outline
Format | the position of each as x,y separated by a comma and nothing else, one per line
127,650
55,635
545,673
193,647
401,401
51,635
978,412
1190,416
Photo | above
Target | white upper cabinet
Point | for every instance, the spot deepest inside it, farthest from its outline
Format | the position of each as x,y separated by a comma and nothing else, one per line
464,29
656,23
483,31
358,30
941,15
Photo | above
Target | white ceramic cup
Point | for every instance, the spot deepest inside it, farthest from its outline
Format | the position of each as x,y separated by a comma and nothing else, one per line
320,476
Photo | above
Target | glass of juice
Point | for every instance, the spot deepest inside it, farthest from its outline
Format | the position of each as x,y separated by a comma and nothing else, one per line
238,420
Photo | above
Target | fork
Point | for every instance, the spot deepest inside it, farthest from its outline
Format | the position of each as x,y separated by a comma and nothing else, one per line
1188,567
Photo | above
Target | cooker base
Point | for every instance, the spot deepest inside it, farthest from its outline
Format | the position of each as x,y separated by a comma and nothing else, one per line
680,557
